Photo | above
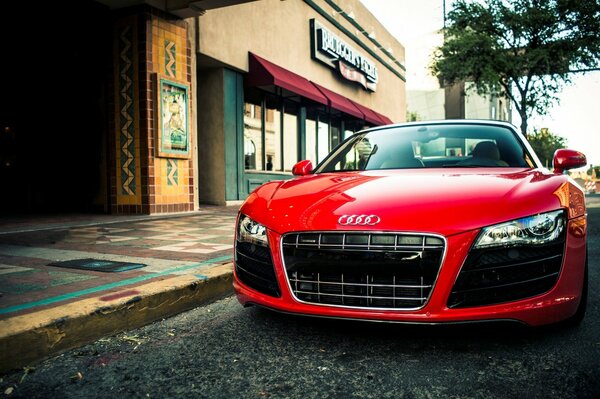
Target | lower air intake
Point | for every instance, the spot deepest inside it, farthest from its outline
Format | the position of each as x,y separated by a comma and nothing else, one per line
492,276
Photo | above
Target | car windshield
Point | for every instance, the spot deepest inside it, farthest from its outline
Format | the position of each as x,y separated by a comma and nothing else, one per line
429,146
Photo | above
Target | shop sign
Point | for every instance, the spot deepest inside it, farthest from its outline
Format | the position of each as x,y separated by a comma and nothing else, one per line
337,54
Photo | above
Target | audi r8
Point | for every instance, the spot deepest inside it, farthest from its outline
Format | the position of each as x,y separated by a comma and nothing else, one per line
436,222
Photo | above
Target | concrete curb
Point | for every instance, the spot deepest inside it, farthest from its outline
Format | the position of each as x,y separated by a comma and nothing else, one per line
30,338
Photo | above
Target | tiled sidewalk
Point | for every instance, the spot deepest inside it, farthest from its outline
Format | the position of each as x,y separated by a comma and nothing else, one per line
47,309
171,245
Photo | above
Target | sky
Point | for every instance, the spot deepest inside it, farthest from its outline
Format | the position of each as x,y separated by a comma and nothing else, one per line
414,22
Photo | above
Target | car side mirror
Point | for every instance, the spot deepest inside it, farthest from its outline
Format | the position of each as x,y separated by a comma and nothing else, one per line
565,159
302,168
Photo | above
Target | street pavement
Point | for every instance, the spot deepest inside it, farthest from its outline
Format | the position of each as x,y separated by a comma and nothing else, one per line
46,309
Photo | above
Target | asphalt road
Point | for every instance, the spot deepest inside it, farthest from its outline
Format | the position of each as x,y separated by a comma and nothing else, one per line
225,351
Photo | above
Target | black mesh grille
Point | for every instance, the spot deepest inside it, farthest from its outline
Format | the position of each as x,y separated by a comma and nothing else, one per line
254,268
497,275
371,270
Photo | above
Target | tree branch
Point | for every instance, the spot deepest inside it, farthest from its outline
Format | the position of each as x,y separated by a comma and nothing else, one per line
508,91
583,70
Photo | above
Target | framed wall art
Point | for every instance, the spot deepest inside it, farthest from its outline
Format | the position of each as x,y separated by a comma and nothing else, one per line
173,133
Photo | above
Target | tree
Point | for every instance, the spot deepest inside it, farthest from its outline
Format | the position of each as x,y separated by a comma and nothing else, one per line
594,171
545,143
522,49
412,116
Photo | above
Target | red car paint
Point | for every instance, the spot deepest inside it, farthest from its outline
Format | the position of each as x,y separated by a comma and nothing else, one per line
455,203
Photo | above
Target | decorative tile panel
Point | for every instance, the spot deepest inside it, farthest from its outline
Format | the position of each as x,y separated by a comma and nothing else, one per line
172,175
127,172
126,113
170,59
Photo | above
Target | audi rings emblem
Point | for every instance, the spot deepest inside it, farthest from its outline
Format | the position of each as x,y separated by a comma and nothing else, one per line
359,220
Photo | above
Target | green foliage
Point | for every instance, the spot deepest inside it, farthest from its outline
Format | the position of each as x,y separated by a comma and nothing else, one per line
412,116
523,49
545,143
594,171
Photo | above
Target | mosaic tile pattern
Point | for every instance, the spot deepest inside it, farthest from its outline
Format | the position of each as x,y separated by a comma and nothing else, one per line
172,173
127,112
194,235
170,58
173,191
183,245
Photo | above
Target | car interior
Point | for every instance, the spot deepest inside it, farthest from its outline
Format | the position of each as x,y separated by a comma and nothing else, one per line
485,153
430,147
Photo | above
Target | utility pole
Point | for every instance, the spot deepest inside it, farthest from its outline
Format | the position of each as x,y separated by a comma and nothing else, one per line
444,10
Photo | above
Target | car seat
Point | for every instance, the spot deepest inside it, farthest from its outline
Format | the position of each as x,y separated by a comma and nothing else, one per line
402,158
485,153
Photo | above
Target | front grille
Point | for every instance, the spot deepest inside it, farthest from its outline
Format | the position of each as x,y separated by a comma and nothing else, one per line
362,270
254,267
496,275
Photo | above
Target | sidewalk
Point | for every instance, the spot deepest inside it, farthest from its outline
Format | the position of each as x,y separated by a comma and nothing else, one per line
48,309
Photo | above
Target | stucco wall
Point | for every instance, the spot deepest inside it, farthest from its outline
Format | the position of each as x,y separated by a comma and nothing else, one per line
211,148
279,31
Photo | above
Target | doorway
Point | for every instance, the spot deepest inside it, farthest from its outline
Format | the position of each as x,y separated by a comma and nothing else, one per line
54,108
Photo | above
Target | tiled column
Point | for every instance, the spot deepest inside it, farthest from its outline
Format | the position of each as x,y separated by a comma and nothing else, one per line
145,176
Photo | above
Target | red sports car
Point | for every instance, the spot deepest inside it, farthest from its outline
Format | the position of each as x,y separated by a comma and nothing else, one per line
429,222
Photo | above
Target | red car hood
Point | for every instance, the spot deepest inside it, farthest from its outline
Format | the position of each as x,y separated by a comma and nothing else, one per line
446,202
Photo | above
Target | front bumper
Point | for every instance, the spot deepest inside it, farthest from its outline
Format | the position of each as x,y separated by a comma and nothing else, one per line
555,305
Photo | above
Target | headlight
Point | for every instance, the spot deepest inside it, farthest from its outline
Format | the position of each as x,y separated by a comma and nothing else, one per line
532,230
252,232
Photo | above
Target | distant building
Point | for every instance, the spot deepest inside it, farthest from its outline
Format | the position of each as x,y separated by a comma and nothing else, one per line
426,98
462,102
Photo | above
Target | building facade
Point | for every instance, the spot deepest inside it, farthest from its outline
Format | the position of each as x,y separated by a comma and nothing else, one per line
159,106
296,77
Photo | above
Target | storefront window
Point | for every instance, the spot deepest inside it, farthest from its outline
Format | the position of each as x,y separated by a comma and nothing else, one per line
323,141
322,135
249,153
270,141
252,137
311,140
271,132
335,126
273,140
290,141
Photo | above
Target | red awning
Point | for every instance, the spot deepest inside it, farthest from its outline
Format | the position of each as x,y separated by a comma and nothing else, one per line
265,73
370,115
339,102
385,119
